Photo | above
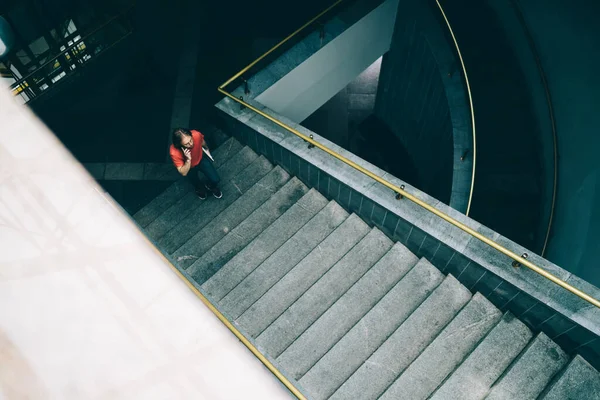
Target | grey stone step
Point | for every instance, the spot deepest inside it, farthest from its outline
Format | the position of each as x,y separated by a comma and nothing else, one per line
244,233
407,342
231,217
525,379
297,281
205,210
578,381
182,208
446,352
347,311
331,371
330,287
176,191
475,376
251,288
215,137
251,256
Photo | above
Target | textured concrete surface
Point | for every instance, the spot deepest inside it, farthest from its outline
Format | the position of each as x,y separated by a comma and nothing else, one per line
349,309
182,207
446,352
283,260
161,172
162,202
331,286
579,381
331,371
124,171
531,372
473,379
217,249
243,234
407,342
244,262
176,191
231,217
200,212
285,292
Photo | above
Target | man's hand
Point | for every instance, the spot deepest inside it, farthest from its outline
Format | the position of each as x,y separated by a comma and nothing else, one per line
187,154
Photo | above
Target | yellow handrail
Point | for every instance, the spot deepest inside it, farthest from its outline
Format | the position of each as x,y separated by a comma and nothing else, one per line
421,203
233,329
396,189
462,63
211,307
247,67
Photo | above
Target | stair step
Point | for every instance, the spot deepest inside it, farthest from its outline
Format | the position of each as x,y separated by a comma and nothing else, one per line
284,259
176,191
216,137
331,371
182,208
232,216
205,210
297,359
250,257
243,234
407,342
446,352
532,371
475,376
285,292
330,287
578,381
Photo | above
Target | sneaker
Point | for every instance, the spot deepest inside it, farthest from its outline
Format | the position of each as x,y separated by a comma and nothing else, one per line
215,192
201,193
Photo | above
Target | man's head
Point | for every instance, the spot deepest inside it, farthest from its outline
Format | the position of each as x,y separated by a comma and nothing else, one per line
182,138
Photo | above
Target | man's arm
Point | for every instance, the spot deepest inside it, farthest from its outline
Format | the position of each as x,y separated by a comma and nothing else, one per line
185,168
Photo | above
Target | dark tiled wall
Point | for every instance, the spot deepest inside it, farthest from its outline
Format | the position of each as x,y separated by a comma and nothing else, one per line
572,337
412,101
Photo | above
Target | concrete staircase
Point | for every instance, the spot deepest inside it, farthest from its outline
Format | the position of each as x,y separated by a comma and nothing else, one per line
339,308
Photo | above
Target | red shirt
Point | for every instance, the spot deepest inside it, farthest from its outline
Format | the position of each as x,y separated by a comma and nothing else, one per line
177,154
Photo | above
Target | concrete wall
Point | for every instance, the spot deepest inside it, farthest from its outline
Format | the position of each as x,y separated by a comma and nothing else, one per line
325,73
510,179
526,57
412,101
566,39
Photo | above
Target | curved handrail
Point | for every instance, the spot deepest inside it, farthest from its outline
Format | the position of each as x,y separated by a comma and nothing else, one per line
396,189
462,63
538,62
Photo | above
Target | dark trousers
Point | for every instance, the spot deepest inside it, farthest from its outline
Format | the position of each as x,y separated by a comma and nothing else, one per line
210,173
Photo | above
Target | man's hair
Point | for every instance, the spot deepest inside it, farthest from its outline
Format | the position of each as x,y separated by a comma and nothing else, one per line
178,134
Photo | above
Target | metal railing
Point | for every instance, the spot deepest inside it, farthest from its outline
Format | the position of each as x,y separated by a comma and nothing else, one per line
518,259
400,191
73,56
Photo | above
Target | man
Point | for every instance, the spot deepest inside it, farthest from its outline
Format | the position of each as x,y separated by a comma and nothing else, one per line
187,155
